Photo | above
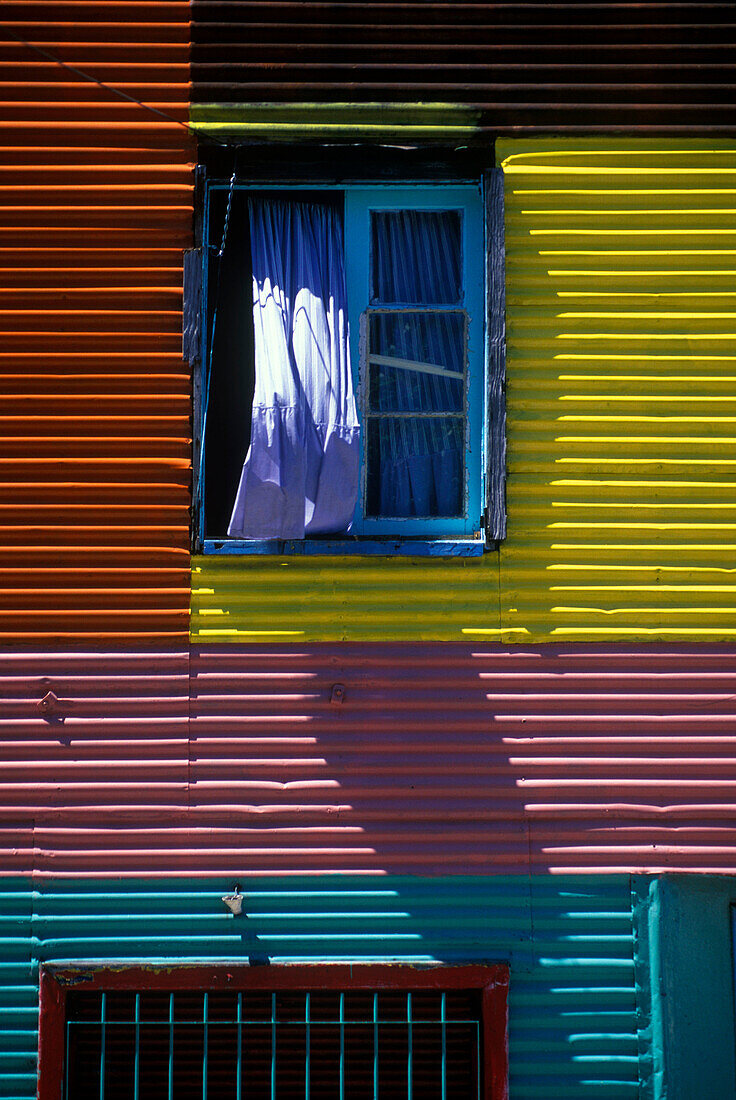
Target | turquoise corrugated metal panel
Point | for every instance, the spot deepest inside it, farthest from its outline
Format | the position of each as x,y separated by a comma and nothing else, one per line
573,1027
18,991
684,963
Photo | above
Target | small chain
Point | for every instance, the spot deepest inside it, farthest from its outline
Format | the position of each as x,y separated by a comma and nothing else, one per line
229,208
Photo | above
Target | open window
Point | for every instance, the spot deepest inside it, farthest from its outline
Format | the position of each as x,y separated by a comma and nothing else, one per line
350,385
273,1033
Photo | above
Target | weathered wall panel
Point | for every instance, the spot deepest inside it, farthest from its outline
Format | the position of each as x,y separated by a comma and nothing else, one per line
95,209
621,426
572,1004
560,67
391,759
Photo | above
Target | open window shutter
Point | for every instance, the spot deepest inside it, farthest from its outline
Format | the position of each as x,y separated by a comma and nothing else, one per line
495,514
193,278
192,309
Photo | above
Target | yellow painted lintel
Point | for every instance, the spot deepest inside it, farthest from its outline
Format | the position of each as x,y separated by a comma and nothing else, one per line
309,121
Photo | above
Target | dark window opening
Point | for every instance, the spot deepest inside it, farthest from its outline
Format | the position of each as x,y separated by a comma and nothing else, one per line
232,380
286,1045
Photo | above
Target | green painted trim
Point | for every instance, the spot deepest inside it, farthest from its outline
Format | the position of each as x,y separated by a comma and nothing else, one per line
683,924
310,121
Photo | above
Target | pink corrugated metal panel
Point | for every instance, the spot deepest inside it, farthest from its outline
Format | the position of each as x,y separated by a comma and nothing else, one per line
421,759
95,209
114,747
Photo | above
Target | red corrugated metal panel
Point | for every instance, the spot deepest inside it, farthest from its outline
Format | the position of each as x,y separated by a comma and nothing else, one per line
95,209
525,66
428,759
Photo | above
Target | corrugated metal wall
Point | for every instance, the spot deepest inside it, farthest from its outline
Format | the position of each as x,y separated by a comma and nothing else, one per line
479,759
561,66
621,258
621,494
95,209
573,1023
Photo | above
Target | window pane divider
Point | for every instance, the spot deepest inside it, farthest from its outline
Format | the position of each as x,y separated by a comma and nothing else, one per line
239,1077
103,1023
137,1054
205,1044
171,1046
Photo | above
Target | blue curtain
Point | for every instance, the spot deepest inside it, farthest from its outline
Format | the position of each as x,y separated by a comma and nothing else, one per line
300,476
417,461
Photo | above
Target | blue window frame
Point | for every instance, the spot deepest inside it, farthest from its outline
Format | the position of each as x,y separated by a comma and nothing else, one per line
454,324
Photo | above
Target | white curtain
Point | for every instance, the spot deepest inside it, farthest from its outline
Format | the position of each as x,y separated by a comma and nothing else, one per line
300,476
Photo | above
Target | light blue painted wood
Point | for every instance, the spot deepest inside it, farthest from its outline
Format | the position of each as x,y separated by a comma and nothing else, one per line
573,1025
685,968
415,548
360,203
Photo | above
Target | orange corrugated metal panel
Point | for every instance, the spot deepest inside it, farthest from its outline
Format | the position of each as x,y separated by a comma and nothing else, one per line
409,759
95,209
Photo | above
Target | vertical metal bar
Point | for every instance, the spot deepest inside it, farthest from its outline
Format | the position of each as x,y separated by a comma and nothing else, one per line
273,1046
171,1046
67,1032
137,1054
307,1067
409,1052
375,1046
342,1046
205,1041
103,1025
477,1059
443,1018
239,1078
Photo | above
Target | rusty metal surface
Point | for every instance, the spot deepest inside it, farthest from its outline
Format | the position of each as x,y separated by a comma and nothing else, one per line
422,759
651,67
95,208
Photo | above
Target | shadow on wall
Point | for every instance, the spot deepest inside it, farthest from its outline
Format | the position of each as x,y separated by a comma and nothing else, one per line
415,759
374,802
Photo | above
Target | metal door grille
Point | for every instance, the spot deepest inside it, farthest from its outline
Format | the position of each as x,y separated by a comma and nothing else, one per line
300,1045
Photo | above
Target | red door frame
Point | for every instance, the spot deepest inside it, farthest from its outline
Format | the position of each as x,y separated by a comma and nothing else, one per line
492,981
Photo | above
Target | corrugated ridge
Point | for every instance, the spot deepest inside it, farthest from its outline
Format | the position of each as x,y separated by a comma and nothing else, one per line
524,66
389,759
572,1011
95,208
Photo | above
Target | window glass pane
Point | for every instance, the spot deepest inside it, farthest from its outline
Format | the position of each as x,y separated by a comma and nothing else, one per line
415,466
417,257
416,362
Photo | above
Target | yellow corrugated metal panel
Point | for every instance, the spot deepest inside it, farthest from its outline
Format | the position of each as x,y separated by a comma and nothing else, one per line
361,599
621,317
